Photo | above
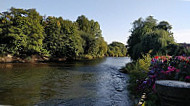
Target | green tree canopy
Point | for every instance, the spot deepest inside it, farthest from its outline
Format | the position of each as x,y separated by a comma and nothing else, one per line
62,38
93,42
24,32
147,35
21,32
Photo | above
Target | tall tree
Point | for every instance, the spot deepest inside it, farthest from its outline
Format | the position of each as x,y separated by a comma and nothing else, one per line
21,31
147,35
62,38
90,31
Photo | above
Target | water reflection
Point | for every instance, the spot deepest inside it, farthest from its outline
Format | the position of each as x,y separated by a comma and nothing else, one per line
86,83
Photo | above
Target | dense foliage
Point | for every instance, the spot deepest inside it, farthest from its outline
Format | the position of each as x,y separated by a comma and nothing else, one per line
21,32
93,42
117,49
138,71
62,38
149,35
24,32
175,50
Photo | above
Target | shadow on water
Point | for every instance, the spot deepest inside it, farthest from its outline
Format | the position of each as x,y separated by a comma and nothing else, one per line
95,82
78,63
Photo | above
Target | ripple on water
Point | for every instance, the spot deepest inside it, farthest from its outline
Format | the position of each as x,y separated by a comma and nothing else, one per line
91,83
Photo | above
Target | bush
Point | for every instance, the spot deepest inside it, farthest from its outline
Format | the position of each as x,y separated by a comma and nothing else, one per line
138,72
145,62
140,66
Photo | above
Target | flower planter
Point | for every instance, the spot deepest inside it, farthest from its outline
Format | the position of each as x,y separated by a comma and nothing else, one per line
173,93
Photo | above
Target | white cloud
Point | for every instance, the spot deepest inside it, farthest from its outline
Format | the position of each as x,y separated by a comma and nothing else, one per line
182,36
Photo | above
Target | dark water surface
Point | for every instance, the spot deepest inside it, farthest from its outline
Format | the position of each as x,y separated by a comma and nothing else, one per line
89,83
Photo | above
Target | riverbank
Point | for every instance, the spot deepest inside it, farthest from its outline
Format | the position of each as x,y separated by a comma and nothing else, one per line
43,59
38,59
26,59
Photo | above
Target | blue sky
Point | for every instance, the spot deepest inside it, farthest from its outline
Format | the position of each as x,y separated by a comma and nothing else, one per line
114,16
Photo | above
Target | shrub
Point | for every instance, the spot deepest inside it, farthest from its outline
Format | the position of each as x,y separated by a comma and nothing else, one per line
145,62
141,65
138,71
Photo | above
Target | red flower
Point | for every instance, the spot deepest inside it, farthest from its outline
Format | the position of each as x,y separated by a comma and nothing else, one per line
156,57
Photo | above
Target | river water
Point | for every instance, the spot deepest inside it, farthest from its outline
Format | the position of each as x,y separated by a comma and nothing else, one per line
85,83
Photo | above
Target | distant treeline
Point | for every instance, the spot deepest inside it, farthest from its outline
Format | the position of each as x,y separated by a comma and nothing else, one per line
117,49
24,32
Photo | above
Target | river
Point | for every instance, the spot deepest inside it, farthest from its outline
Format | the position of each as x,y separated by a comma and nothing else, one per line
85,83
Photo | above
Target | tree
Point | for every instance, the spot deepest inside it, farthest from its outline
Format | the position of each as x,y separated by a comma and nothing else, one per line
93,42
164,25
117,49
176,50
62,38
26,33
156,40
147,35
21,32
